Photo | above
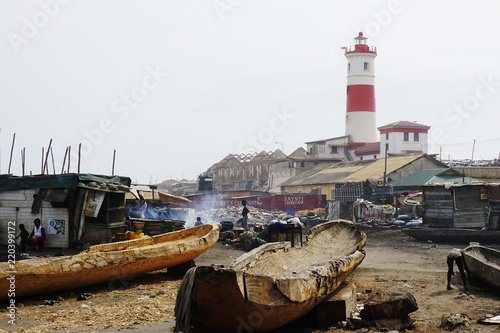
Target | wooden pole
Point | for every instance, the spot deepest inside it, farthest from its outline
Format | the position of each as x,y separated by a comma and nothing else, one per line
113,167
64,160
45,166
43,154
69,157
79,156
11,150
53,165
23,151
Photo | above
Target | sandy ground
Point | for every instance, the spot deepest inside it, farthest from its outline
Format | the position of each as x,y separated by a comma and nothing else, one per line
394,263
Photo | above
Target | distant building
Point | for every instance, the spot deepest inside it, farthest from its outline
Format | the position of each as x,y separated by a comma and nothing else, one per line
237,172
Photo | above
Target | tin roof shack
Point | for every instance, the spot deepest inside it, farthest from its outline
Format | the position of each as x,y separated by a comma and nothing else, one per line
73,208
454,206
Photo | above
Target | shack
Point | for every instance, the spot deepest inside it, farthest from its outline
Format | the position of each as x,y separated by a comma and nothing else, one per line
73,208
454,206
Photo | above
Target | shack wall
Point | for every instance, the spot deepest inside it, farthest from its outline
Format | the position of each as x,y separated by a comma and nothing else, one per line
457,207
15,206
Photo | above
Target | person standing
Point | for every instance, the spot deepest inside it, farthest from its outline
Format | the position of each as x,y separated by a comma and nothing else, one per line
244,213
25,238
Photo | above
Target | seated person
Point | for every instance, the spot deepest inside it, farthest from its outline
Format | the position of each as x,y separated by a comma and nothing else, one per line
38,236
25,238
198,222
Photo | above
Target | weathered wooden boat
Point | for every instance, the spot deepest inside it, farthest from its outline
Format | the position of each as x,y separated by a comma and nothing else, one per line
107,262
271,285
454,235
483,264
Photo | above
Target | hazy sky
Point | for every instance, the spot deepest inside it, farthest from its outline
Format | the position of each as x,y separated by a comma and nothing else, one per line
175,86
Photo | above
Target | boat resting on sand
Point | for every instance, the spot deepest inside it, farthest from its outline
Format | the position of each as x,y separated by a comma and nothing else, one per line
271,285
107,262
454,235
483,264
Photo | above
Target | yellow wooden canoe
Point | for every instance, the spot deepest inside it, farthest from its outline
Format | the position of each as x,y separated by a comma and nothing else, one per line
112,262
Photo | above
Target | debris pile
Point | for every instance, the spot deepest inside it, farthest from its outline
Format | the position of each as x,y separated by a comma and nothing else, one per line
386,311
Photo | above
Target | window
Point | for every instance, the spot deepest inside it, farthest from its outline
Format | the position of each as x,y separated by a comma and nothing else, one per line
334,150
406,137
366,66
387,136
361,158
415,137
374,156
349,67
302,164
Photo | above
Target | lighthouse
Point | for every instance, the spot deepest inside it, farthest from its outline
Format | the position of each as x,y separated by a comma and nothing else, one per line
360,121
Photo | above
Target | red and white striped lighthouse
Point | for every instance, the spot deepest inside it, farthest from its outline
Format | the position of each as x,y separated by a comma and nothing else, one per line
360,122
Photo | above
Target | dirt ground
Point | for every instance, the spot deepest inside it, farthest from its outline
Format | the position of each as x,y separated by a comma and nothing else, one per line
394,263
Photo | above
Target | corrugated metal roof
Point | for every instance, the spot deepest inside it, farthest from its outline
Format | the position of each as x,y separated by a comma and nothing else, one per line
433,176
353,171
422,177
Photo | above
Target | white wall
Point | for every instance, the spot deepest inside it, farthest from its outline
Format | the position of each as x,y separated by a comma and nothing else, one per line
397,145
23,199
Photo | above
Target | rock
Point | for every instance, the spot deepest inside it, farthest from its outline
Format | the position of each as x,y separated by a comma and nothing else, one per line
389,306
452,321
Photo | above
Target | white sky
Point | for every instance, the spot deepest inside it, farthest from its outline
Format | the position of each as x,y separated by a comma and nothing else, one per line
226,68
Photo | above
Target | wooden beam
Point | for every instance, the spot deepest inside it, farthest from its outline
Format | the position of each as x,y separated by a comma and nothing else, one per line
113,167
11,150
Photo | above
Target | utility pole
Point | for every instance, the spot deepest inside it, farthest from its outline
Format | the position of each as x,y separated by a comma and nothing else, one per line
473,146
385,174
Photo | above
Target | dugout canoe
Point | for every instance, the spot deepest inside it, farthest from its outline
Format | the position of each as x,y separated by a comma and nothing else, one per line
484,264
271,285
454,235
111,262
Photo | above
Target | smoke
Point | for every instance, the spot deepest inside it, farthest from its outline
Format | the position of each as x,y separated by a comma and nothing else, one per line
145,210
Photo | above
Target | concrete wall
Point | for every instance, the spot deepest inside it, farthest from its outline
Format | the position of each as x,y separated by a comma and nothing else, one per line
414,167
318,189
15,206
487,174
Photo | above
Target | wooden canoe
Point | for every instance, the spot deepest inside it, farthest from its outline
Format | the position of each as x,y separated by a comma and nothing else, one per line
273,284
111,262
483,264
454,235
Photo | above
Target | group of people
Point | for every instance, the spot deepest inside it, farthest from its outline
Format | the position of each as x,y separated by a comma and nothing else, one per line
35,240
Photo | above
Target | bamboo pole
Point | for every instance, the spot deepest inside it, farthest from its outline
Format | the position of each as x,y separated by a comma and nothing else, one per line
113,167
11,150
79,156
64,160
43,154
23,151
45,166
69,157
53,165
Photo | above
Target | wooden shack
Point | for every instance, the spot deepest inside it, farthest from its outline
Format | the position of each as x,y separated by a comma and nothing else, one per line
73,208
454,206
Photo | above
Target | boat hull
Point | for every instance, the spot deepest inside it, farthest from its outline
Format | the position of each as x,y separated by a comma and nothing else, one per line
115,263
453,235
484,264
248,298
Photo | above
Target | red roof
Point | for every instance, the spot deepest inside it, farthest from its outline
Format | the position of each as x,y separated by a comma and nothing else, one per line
404,124
369,147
